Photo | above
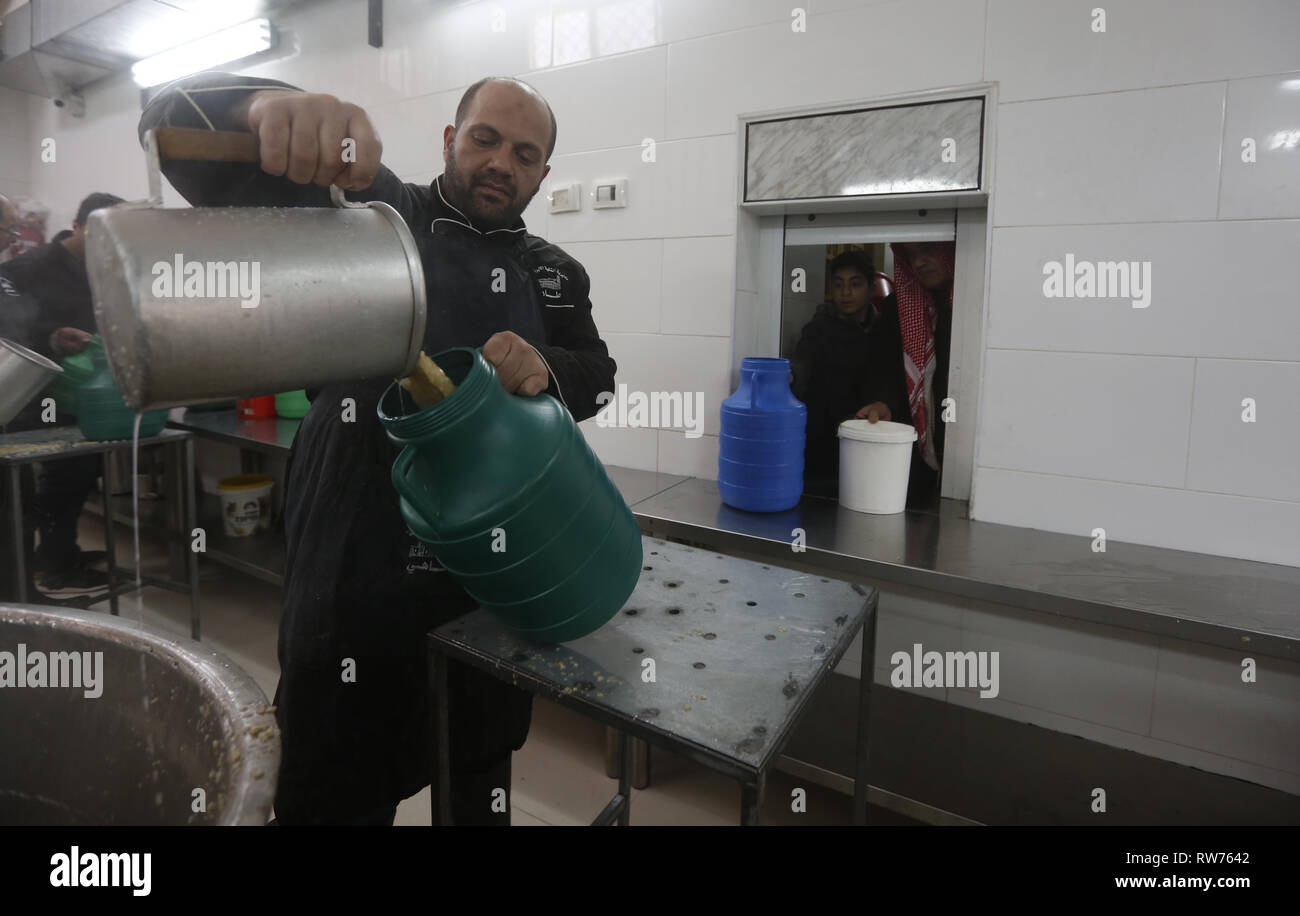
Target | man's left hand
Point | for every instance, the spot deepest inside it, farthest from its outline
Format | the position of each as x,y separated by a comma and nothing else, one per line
70,340
518,365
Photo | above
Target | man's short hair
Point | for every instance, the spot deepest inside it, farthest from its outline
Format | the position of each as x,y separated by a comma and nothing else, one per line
96,201
468,98
853,260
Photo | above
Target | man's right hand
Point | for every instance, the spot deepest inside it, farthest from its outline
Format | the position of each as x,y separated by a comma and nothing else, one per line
874,412
301,136
71,340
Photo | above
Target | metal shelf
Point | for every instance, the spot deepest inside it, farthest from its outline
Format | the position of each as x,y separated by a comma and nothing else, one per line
262,555
153,512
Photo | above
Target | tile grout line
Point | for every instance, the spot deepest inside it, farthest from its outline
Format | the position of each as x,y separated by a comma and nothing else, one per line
1191,424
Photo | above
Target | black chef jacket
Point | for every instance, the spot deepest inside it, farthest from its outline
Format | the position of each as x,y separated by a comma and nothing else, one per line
358,584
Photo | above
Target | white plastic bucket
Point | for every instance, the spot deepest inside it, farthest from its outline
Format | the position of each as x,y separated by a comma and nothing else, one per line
245,503
875,461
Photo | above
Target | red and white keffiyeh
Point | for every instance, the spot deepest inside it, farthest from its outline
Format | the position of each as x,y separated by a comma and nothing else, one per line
916,317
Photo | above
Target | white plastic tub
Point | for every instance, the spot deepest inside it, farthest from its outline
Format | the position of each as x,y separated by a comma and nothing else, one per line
245,504
875,461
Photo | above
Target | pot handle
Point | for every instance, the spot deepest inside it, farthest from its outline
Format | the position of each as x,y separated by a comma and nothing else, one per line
196,144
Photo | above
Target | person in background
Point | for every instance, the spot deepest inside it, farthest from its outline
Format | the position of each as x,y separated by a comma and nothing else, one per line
22,227
830,366
908,357
10,220
45,305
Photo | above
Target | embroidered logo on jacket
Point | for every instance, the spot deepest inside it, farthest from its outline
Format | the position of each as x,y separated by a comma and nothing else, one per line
551,280
419,558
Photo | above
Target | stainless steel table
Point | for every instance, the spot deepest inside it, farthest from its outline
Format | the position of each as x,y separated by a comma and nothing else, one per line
18,449
263,435
736,648
262,556
1218,601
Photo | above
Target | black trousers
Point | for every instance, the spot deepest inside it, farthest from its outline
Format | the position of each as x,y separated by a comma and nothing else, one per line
61,490
351,750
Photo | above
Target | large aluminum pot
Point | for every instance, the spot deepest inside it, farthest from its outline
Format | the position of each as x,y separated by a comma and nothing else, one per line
213,303
23,375
155,719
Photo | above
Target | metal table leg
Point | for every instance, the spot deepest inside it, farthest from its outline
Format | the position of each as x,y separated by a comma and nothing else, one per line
190,522
640,764
866,678
751,801
16,519
640,758
625,779
611,751
106,466
173,479
439,742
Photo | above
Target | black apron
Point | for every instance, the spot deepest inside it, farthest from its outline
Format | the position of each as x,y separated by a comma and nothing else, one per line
359,585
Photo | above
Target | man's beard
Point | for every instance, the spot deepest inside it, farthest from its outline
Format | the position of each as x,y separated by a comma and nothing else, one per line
482,212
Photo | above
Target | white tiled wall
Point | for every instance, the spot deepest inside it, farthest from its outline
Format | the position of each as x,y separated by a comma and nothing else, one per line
1040,49
1118,157
626,283
1122,144
1214,291
15,145
1127,145
1263,115
1231,526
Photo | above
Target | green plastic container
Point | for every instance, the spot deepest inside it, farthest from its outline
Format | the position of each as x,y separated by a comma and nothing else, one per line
292,405
76,369
101,412
484,469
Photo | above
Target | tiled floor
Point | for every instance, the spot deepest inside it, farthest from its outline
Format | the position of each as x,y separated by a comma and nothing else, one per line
559,775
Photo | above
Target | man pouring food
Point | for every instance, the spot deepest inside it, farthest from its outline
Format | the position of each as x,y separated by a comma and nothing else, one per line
352,750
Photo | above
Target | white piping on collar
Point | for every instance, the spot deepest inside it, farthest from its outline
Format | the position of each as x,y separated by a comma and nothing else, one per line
464,220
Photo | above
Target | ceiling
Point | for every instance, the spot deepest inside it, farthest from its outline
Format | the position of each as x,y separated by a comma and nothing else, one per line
51,47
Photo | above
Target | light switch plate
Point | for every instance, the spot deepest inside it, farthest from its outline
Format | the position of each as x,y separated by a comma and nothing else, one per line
609,192
566,197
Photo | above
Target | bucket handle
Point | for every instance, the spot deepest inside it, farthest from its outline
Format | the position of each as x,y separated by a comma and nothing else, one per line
755,383
196,144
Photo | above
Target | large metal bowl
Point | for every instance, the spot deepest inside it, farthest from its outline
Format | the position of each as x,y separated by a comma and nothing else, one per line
23,375
174,723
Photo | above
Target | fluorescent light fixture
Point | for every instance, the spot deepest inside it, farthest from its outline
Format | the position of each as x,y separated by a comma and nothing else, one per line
204,53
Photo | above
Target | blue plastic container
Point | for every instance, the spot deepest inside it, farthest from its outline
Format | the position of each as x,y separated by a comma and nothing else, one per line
760,458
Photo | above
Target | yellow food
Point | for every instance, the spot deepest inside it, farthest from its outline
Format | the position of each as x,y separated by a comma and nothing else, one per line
428,384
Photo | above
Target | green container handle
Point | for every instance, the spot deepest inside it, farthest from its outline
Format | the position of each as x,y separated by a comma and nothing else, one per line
416,523
401,472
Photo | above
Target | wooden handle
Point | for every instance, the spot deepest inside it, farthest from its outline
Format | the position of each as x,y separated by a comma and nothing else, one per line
206,145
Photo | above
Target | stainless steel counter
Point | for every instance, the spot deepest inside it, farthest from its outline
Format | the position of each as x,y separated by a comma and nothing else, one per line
1237,604
266,434
1219,601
